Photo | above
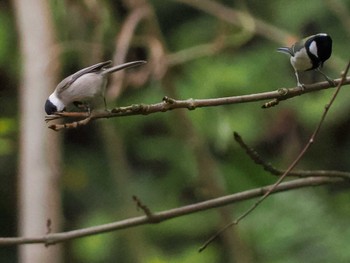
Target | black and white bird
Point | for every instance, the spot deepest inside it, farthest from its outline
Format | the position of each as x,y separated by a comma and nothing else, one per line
310,54
84,86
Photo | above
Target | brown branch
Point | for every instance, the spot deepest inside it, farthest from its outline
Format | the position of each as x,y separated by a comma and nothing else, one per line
237,17
290,168
123,44
145,209
54,238
274,171
191,104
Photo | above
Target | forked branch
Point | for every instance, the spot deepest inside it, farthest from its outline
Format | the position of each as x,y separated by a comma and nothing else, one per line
290,168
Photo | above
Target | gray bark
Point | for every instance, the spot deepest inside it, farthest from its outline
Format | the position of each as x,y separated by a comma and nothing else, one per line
38,184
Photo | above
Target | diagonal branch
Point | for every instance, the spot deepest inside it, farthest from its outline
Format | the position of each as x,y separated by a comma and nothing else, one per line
290,168
274,171
191,104
53,238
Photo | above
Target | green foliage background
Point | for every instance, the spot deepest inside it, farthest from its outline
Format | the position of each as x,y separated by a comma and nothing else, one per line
173,159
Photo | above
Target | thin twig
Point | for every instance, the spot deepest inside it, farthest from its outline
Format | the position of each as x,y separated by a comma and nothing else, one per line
123,44
254,155
54,238
145,209
289,169
191,104
235,17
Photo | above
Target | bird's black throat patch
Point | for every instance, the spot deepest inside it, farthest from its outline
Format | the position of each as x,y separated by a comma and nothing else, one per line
50,108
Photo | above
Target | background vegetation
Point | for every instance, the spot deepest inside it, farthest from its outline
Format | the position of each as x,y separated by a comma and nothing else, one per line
182,157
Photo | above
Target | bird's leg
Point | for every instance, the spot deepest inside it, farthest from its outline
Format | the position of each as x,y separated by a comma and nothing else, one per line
79,105
88,110
330,81
83,105
301,85
104,101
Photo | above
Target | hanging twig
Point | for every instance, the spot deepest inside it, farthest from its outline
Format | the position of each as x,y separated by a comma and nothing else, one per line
274,171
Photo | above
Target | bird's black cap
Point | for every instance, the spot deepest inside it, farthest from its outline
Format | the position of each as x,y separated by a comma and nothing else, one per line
50,108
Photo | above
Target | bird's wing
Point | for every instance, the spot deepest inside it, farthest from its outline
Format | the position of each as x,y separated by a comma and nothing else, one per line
64,84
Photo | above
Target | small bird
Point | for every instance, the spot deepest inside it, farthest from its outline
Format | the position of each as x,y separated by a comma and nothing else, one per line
84,86
310,54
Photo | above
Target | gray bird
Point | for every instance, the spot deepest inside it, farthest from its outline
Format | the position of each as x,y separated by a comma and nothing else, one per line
84,86
309,54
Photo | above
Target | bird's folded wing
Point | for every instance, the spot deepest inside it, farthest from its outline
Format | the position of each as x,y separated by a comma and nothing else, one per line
64,84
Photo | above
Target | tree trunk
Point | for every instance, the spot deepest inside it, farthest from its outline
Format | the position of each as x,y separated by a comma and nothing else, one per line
38,184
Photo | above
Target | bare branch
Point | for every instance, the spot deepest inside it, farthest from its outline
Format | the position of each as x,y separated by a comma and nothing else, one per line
191,104
237,18
123,44
290,168
145,209
54,238
273,170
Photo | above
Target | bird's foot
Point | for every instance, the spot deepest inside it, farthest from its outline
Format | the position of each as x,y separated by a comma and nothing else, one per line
301,86
331,82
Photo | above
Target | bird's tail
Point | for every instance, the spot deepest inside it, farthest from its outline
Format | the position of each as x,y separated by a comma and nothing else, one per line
124,66
285,50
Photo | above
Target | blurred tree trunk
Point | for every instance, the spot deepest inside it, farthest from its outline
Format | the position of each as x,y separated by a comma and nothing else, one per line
39,196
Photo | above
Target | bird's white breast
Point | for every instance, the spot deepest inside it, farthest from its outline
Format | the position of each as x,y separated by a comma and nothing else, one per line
301,61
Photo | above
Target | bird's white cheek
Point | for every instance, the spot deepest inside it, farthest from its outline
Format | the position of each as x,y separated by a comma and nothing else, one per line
57,102
313,48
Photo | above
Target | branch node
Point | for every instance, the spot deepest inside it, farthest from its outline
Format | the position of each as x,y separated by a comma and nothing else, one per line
117,110
145,209
137,107
283,91
255,156
143,108
191,104
169,100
